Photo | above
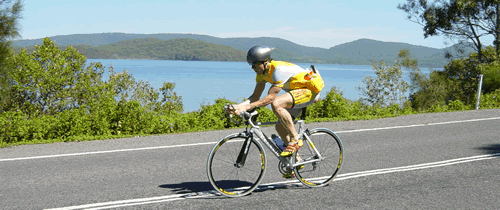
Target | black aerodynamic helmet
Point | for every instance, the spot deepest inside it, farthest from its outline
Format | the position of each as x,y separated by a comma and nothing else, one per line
259,53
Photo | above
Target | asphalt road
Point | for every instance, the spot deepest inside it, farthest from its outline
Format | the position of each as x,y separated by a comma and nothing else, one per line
425,161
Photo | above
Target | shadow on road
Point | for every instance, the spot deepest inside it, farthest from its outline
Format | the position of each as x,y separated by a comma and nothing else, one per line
189,187
490,149
199,187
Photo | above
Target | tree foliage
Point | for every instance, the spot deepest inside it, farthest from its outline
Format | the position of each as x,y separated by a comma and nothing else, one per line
458,81
388,87
490,70
54,93
429,91
170,101
467,21
49,80
10,13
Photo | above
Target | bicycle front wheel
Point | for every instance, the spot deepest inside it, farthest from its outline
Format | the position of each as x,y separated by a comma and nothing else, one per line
236,165
322,158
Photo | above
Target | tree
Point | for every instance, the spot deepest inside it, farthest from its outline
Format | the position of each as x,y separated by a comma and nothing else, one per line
49,80
388,87
458,81
428,91
463,20
491,72
170,101
9,29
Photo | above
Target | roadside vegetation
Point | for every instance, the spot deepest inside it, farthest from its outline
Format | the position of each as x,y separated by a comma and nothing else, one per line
54,95
50,94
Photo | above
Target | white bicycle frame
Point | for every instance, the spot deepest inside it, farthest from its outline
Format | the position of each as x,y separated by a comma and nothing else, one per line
257,134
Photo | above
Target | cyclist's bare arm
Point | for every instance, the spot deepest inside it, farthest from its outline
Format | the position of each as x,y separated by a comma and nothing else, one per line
254,98
271,95
257,92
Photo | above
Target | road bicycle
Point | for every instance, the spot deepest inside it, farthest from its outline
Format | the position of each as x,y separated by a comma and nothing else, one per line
237,163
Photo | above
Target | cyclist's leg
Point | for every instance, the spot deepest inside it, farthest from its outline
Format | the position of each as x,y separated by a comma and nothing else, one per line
286,138
282,132
279,106
294,99
297,109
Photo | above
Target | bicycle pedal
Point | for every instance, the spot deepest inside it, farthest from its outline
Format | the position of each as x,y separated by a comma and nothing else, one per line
289,176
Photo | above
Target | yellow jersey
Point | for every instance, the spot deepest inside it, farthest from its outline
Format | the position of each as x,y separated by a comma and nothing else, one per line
287,76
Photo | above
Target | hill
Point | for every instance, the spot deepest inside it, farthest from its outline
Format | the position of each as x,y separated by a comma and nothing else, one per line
362,51
367,50
156,49
243,44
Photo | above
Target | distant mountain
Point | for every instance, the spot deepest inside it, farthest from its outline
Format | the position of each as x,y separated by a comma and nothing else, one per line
362,51
367,50
95,40
109,38
156,49
174,49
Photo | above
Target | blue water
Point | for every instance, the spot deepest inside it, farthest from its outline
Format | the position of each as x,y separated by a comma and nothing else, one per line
201,82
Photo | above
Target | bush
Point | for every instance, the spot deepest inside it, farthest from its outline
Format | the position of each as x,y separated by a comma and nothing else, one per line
491,100
432,91
458,81
457,106
333,106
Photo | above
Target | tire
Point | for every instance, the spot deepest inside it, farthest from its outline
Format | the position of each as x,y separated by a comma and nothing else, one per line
226,176
320,173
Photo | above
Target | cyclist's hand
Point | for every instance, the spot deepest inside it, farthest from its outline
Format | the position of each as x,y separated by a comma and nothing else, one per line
238,109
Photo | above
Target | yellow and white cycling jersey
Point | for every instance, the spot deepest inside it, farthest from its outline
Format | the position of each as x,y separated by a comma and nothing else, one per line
288,76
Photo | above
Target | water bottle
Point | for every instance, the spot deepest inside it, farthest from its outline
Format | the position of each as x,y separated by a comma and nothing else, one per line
278,142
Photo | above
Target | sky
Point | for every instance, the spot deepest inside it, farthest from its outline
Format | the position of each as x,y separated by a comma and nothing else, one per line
313,23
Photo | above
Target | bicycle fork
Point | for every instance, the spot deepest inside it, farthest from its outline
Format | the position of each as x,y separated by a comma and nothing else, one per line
242,156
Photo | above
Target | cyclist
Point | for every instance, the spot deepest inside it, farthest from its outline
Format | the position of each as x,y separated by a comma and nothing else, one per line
296,81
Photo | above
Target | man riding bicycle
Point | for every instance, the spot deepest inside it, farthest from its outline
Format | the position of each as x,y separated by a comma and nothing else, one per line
302,89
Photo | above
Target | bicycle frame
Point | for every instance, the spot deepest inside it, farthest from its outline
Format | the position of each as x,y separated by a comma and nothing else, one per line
238,174
256,133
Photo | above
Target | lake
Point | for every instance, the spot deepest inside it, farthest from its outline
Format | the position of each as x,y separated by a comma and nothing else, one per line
201,82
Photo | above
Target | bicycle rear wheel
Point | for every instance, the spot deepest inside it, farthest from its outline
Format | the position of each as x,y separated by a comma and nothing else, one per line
230,172
320,169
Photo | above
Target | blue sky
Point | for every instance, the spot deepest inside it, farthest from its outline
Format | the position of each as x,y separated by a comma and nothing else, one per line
313,23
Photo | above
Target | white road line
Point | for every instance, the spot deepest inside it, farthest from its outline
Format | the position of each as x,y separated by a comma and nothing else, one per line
205,143
418,125
149,202
103,152
170,198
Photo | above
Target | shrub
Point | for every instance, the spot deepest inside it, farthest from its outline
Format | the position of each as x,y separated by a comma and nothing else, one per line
457,105
491,100
333,106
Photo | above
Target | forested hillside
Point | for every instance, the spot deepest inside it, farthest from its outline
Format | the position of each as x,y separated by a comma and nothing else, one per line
156,49
189,47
